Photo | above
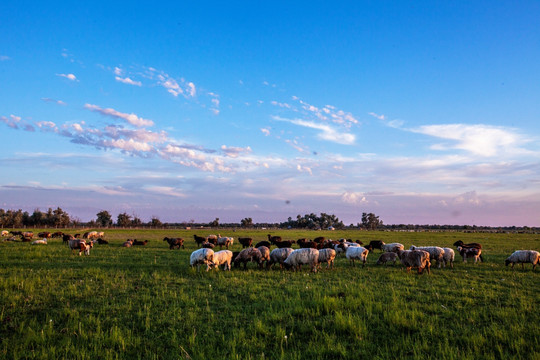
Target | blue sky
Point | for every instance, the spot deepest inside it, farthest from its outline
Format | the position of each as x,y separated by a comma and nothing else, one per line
421,113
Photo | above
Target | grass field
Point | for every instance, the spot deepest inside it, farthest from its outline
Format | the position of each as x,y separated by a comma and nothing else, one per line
147,303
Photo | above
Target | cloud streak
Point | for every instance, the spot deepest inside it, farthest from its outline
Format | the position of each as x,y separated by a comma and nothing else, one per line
68,76
480,140
130,118
128,81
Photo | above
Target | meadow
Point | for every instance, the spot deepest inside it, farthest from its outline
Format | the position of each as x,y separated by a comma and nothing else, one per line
148,303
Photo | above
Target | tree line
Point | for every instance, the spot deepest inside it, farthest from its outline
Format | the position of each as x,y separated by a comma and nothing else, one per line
58,218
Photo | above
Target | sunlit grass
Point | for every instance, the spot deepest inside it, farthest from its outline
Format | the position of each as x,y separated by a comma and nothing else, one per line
146,302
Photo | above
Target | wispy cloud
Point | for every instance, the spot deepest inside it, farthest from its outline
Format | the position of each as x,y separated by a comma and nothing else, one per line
128,81
130,118
326,132
68,76
234,152
4,58
58,102
480,140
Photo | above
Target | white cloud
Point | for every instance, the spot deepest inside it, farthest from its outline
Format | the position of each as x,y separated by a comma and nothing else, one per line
130,118
4,58
128,81
46,125
68,76
165,190
128,145
353,198
234,152
326,131
265,131
191,89
481,140
59,102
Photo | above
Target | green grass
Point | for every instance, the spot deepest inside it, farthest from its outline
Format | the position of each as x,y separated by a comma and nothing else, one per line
147,303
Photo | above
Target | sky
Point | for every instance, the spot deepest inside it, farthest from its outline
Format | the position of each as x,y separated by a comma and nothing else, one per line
422,112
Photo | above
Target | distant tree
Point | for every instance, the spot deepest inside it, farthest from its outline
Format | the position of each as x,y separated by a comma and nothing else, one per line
123,220
246,222
155,222
60,218
214,223
371,221
136,221
37,218
104,218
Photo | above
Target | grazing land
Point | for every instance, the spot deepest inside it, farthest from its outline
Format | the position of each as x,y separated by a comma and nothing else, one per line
146,302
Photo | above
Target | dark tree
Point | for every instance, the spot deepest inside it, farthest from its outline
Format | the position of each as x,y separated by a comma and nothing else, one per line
155,222
104,218
371,221
123,220
246,222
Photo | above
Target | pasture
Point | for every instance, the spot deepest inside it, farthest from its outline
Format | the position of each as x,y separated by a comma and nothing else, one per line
147,303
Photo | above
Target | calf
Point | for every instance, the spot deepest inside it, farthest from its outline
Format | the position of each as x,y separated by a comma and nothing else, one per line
245,242
174,242
470,253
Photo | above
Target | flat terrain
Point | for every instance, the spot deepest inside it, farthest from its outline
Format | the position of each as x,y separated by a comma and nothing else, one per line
147,303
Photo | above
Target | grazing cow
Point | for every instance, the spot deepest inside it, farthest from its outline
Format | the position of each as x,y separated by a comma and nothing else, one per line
80,245
469,253
357,253
435,253
202,256
16,233
265,255
224,241
45,234
524,256
327,256
248,255
57,234
5,233
278,256
199,240
245,242
174,242
415,258
263,243
386,257
300,257
223,257
273,239
101,241
448,257
319,239
375,244
208,245
393,247
284,244
460,243
305,244
28,234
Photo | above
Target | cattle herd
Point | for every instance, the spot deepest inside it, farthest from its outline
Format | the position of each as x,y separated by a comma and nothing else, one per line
320,250
312,253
